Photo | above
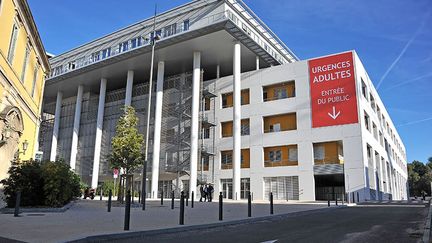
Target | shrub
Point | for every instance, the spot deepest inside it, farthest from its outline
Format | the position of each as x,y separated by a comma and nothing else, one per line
106,186
49,184
27,178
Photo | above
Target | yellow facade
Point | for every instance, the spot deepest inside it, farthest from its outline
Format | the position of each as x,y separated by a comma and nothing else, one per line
22,78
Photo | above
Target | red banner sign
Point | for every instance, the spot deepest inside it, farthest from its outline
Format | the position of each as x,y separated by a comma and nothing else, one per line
333,90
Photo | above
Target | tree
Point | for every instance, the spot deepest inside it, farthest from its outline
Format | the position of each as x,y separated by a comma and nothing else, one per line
419,178
126,150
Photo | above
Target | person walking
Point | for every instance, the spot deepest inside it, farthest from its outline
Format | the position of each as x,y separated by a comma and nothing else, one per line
210,191
202,192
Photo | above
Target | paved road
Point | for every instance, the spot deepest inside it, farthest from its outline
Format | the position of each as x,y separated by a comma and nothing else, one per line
352,224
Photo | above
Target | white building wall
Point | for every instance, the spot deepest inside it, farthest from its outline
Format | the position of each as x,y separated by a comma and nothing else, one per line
353,136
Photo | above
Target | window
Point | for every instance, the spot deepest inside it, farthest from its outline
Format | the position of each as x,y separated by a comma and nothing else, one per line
12,44
285,155
278,123
279,91
226,159
367,121
136,42
292,154
375,131
227,98
364,89
71,65
170,30
244,127
186,25
319,152
207,103
25,63
328,153
124,46
227,128
106,53
275,156
372,101
35,76
95,57
206,133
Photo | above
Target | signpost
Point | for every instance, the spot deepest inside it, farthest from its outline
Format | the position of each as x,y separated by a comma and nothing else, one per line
115,175
333,90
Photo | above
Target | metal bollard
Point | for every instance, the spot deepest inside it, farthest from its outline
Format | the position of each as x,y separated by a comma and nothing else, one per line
271,203
328,202
17,204
343,198
336,201
220,206
182,209
101,192
109,200
187,200
172,200
249,205
192,199
127,210
358,197
139,197
162,196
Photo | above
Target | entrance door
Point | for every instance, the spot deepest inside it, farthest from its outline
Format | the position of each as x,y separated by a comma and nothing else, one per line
227,188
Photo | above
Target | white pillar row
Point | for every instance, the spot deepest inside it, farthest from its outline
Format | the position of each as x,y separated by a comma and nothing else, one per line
76,127
56,126
218,71
157,130
129,87
99,127
196,75
237,122
257,61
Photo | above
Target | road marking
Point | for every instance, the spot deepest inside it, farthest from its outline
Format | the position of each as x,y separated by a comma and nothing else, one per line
334,115
270,241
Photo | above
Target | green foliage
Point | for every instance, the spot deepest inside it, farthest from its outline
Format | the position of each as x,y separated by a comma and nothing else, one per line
27,178
127,143
49,184
419,178
61,185
106,186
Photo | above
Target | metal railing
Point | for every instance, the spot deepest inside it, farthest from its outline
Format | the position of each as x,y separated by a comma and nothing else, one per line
277,163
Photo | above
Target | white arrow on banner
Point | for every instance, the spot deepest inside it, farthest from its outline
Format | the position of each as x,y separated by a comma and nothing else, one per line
334,115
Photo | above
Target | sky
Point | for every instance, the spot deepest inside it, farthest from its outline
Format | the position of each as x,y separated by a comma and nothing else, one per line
392,38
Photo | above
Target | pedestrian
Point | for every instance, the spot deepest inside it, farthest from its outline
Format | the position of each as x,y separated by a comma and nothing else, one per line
205,193
202,193
210,191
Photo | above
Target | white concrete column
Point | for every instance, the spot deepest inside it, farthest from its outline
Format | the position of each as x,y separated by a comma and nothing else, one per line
157,130
218,71
237,122
129,87
196,75
76,127
56,126
99,126
257,61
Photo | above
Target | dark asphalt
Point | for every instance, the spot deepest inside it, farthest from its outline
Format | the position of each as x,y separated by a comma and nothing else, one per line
351,224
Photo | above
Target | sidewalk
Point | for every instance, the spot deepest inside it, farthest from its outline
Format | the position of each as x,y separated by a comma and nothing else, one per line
88,218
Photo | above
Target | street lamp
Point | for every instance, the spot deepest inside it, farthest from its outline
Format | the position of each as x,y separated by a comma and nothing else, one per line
144,171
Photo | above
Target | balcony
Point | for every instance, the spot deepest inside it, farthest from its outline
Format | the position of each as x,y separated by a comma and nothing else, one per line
280,123
279,91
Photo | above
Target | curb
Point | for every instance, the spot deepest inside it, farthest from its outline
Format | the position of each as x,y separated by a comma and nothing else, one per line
39,210
427,227
146,233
